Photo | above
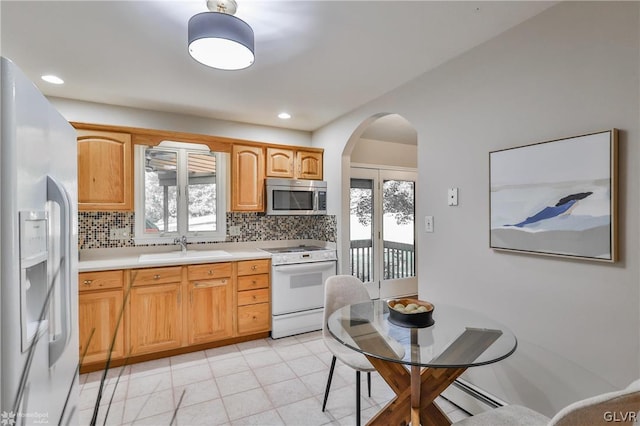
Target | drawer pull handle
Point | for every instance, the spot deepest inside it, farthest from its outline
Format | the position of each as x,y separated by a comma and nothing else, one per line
254,297
156,277
255,317
254,282
210,272
254,267
87,282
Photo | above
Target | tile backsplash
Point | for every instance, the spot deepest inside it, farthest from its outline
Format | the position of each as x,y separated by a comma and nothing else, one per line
94,228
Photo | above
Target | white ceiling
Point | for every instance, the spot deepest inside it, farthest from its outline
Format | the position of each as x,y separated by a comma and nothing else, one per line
315,59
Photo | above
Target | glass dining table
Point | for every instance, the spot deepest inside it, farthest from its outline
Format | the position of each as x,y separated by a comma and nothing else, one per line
420,363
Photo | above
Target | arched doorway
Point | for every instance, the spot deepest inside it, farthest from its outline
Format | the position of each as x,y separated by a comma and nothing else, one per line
380,170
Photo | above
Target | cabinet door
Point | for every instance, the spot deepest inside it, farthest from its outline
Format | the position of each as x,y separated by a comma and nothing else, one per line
104,170
309,165
99,311
280,162
210,310
156,318
247,181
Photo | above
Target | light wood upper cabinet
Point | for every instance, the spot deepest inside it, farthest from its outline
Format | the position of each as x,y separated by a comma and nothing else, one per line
309,165
247,178
280,162
156,318
293,163
104,170
210,310
100,305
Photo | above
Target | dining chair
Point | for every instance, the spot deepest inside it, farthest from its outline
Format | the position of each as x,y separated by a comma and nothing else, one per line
619,407
340,291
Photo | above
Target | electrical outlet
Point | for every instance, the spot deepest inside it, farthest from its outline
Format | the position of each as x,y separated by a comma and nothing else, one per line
234,231
119,234
452,196
428,224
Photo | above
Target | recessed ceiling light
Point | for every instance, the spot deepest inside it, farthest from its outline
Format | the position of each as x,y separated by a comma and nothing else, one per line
53,79
284,115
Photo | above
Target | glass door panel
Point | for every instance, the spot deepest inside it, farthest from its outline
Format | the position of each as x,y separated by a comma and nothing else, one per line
398,229
382,231
361,233
398,276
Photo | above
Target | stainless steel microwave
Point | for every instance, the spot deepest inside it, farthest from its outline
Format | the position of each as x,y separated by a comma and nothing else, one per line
296,197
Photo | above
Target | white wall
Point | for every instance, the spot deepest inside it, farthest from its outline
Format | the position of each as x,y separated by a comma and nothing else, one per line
89,112
571,70
369,151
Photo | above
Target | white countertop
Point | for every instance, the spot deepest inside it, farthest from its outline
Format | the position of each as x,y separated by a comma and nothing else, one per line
128,258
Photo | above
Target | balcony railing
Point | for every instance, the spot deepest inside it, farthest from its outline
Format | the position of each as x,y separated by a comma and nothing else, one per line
398,260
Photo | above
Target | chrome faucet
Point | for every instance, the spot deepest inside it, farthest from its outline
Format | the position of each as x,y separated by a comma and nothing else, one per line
182,241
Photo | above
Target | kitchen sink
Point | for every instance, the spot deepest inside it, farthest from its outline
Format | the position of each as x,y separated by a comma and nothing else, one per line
188,255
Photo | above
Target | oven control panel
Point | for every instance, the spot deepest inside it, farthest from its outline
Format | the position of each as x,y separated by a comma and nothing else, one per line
303,257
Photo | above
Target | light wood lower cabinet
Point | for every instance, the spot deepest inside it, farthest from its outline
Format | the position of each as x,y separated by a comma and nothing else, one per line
210,313
172,307
100,305
254,307
156,318
254,318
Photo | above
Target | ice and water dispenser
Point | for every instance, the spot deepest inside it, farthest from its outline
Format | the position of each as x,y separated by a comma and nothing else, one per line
34,274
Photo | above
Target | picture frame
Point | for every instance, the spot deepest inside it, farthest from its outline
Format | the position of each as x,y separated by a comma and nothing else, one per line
556,198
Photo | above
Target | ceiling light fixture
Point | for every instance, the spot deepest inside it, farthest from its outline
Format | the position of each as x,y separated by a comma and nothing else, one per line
53,79
284,115
218,39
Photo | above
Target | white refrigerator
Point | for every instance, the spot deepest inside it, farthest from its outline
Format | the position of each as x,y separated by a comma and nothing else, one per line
38,257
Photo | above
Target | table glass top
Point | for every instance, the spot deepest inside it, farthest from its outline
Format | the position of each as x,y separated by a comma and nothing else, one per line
458,338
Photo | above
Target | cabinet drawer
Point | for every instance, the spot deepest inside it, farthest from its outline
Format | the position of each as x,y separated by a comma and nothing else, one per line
249,267
156,276
209,271
100,280
254,318
253,282
251,297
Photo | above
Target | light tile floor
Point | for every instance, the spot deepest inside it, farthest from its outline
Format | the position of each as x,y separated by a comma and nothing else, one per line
262,382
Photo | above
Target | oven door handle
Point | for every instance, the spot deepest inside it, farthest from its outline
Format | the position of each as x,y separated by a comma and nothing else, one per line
305,267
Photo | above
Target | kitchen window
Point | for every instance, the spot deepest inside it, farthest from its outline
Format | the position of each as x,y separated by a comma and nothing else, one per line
180,190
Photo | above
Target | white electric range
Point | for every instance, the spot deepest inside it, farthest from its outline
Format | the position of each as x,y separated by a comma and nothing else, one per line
298,275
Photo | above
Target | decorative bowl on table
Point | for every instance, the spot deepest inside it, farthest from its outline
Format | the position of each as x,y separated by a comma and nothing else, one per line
410,313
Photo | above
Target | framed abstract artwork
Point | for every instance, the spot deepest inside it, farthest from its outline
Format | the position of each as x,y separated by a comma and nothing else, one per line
556,198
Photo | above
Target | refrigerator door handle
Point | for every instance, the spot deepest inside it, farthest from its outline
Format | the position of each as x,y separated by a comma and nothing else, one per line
57,194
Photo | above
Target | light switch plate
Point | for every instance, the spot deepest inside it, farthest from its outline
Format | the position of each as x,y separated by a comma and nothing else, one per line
428,224
452,196
234,231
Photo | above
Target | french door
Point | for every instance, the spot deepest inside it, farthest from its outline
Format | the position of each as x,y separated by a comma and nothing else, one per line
382,231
